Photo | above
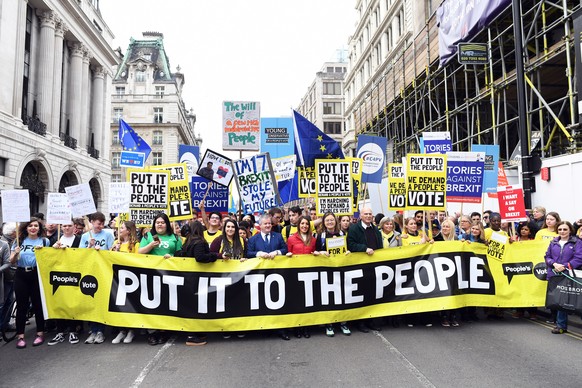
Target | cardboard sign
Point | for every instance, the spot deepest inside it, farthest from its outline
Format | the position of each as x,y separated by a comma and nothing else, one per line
58,210
15,206
119,193
81,200
149,195
306,182
426,182
336,245
436,142
179,190
511,203
241,121
216,168
284,168
396,187
256,183
465,176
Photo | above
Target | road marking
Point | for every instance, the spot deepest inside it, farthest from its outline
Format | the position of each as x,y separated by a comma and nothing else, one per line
152,362
424,381
550,326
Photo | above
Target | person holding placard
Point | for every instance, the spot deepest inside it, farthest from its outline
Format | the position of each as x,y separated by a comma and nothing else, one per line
26,285
331,230
67,240
229,245
127,242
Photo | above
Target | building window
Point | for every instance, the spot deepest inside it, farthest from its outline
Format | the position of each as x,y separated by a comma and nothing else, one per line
140,76
115,159
329,70
332,108
115,178
340,69
119,92
157,138
115,137
26,75
117,114
157,158
334,88
160,92
3,164
332,128
158,115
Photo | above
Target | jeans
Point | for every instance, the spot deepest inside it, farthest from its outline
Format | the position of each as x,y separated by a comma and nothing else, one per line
562,319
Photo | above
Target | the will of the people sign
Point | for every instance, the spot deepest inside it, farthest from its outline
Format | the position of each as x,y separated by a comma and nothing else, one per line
241,123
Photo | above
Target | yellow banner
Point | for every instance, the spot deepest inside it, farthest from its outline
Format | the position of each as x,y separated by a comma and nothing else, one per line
143,291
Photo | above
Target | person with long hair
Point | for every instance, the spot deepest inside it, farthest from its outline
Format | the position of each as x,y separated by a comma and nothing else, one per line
476,234
330,229
161,240
26,285
539,216
390,237
549,227
526,231
344,224
197,248
411,235
229,245
447,231
127,242
564,251
302,242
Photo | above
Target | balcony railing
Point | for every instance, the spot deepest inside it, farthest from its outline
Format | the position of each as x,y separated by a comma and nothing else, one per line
69,141
35,125
93,152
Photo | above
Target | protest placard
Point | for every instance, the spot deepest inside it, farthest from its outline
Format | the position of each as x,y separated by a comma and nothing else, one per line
58,210
15,206
426,181
149,195
490,167
256,183
396,187
436,142
241,122
216,168
306,182
465,176
333,186
179,191
336,245
496,246
356,173
119,193
215,196
81,200
284,168
511,203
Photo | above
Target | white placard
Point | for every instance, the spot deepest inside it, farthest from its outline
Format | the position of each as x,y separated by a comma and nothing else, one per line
500,238
15,206
284,168
58,209
81,199
119,196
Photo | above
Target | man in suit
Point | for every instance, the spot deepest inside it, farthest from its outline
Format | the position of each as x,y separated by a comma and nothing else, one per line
267,244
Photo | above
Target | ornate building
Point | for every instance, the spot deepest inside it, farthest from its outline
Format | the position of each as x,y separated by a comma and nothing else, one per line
56,68
148,96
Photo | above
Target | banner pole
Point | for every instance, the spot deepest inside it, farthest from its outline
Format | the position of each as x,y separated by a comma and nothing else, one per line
17,234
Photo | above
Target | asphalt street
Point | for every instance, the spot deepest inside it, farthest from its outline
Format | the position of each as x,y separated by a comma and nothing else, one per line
511,352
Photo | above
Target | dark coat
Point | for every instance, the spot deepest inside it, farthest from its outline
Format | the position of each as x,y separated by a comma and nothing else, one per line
357,238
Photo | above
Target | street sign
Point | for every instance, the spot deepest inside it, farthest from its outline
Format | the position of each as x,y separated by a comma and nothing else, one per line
472,53
132,159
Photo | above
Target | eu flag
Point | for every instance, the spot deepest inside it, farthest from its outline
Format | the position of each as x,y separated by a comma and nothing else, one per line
131,141
311,143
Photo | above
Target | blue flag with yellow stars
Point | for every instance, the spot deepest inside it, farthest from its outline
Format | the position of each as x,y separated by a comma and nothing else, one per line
311,143
131,141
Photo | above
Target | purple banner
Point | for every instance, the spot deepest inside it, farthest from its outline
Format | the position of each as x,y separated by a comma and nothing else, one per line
461,20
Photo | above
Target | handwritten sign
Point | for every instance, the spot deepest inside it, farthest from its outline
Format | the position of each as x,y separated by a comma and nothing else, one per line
284,168
58,210
81,200
119,193
15,206
256,183
242,125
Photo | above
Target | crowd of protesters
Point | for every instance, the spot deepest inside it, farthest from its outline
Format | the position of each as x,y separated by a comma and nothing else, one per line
280,231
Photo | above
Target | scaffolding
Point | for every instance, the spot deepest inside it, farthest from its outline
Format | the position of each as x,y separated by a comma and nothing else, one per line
477,104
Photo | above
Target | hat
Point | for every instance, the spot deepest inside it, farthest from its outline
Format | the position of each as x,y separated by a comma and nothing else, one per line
435,224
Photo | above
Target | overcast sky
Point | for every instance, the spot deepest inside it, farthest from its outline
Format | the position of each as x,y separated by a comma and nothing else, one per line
249,50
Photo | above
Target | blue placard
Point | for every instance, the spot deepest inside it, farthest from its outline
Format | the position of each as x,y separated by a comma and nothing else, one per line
491,166
277,136
132,159
464,177
372,151
216,199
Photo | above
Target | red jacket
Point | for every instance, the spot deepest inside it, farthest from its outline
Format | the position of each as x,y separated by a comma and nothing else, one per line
296,245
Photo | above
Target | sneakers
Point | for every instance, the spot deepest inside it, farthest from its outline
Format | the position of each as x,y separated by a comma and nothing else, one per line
193,340
129,337
445,323
153,339
120,337
454,323
73,338
99,338
345,329
21,343
39,340
241,335
559,330
57,339
329,331
226,335
91,338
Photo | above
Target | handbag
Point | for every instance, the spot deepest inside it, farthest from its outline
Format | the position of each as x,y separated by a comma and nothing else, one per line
565,292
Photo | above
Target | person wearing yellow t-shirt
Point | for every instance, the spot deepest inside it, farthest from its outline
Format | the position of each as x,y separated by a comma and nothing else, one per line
549,230
411,235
